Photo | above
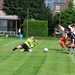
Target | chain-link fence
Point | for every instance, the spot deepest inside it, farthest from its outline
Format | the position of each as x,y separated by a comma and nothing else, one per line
10,32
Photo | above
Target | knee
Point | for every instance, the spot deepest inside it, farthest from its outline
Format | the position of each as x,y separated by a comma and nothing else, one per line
65,43
60,41
19,47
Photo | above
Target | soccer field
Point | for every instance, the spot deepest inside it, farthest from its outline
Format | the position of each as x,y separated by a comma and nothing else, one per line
38,62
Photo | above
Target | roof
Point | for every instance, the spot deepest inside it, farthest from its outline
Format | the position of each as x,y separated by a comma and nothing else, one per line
4,16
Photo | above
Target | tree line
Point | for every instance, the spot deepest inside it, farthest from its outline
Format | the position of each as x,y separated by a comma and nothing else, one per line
36,9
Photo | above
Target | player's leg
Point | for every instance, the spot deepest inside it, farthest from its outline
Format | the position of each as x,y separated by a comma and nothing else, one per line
70,49
26,48
74,46
61,43
66,44
18,47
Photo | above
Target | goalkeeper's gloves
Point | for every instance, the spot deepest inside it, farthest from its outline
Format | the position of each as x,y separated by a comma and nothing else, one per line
35,42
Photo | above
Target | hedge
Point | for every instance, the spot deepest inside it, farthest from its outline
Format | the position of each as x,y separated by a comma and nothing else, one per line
35,27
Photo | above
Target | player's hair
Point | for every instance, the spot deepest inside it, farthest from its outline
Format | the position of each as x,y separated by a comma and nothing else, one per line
73,25
66,29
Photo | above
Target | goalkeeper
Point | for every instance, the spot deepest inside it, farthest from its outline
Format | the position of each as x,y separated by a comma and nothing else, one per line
27,45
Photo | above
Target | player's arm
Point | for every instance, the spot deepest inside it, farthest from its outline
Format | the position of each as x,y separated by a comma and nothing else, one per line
35,42
72,44
57,32
61,27
72,40
70,27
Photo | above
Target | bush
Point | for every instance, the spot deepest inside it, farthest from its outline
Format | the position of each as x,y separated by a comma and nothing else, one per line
36,28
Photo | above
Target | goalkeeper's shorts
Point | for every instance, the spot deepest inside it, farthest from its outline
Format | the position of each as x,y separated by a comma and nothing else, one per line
26,48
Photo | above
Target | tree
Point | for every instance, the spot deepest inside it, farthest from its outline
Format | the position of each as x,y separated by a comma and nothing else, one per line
14,7
67,16
37,9
71,4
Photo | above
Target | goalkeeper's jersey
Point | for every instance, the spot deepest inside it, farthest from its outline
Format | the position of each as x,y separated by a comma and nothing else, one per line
29,43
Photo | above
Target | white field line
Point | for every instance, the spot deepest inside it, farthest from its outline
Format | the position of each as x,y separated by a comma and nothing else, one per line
11,43
72,58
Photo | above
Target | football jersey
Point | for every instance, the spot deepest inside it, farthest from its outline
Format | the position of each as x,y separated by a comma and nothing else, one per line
29,43
63,32
72,36
71,29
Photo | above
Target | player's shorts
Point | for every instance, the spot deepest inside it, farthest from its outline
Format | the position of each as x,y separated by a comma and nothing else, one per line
63,39
26,48
74,41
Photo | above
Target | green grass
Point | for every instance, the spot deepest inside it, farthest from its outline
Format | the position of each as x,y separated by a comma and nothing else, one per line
38,62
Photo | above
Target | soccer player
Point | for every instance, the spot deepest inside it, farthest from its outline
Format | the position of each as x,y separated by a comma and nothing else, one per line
27,45
72,43
63,31
72,37
72,28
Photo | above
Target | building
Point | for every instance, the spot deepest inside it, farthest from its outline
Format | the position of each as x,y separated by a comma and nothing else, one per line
56,5
8,23
74,2
11,24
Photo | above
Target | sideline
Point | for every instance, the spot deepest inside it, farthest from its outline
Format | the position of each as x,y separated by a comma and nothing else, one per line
11,43
72,58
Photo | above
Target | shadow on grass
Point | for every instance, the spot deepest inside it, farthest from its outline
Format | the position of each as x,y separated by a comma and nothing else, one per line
55,49
64,52
60,51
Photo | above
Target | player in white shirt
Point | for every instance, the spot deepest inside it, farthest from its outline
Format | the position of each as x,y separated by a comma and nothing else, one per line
72,28
72,37
63,31
72,43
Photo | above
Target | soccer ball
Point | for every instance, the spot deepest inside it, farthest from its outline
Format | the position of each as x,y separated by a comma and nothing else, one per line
45,49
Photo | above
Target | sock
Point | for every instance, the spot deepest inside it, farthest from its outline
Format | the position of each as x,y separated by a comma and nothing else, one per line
61,44
70,49
67,45
14,48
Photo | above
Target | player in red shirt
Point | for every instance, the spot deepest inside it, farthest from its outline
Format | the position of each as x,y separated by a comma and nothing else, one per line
63,31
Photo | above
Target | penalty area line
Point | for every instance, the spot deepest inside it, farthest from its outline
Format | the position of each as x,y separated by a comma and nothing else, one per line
72,58
11,43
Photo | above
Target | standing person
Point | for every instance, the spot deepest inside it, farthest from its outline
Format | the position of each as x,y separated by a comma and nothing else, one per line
72,28
63,31
72,42
72,38
27,45
19,31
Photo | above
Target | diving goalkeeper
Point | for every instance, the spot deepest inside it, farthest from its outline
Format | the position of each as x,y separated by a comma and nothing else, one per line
27,45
